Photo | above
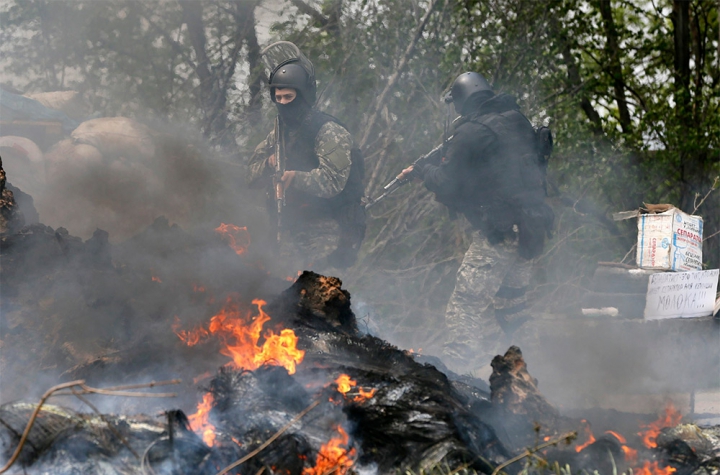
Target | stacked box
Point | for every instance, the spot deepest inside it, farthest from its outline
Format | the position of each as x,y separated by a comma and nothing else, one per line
670,241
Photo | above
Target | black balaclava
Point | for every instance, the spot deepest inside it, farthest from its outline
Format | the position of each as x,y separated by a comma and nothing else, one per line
293,112
474,101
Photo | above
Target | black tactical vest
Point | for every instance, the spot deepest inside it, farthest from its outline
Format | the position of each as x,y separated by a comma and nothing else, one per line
300,156
509,183
511,171
346,207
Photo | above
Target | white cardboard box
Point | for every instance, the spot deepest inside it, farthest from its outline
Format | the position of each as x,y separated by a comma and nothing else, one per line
670,241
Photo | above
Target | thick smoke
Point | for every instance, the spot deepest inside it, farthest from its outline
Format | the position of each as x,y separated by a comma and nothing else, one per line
180,178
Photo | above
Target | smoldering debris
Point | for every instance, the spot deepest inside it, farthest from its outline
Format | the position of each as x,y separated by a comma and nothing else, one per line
410,405
353,400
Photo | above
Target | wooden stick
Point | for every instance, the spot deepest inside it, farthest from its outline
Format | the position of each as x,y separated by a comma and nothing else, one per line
530,452
270,440
110,392
125,393
151,384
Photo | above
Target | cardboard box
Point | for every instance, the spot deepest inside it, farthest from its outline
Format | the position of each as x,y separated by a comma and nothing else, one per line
670,241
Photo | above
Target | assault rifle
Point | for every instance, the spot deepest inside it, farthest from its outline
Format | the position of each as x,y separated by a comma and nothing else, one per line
277,176
434,155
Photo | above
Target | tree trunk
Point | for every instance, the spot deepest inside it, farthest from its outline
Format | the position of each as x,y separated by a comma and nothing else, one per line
612,48
193,12
256,76
681,23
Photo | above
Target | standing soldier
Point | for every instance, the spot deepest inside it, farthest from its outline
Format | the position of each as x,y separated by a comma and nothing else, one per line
312,170
492,172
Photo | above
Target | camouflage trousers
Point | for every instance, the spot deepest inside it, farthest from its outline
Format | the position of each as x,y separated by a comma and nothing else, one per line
487,304
307,247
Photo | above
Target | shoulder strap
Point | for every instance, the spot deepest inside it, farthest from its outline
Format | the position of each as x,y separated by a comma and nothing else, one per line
315,122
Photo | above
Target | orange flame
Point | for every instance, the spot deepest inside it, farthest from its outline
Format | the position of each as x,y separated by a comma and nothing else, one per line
198,288
631,455
333,456
589,434
156,279
344,384
363,395
671,418
199,422
237,237
240,335
189,337
652,468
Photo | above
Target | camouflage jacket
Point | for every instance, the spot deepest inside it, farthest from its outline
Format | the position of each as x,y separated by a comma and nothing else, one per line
333,145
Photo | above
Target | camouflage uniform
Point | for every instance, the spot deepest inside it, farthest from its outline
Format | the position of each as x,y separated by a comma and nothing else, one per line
487,303
306,242
485,176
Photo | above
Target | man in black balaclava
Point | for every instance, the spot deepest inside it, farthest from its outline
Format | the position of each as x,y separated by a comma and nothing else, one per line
490,174
323,221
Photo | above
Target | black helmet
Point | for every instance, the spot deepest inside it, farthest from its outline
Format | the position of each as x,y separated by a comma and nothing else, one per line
291,74
465,86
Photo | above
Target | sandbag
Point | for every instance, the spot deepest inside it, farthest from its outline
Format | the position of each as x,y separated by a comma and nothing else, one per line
66,152
24,146
24,163
116,137
70,102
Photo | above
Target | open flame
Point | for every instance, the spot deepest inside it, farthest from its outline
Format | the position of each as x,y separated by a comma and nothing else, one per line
345,384
631,455
199,422
671,418
239,332
189,337
652,468
238,238
589,435
333,457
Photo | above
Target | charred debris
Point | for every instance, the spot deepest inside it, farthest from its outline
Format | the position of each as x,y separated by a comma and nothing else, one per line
91,313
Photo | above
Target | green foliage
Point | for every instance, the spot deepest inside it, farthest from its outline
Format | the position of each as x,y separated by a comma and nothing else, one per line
630,125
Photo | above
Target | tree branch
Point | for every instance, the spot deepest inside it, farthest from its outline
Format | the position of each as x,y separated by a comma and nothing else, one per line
396,74
310,11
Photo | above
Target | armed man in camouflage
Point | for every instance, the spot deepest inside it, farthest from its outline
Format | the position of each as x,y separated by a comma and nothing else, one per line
323,221
490,172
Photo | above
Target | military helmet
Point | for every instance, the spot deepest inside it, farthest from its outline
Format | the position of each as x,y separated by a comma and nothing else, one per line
287,66
465,86
293,75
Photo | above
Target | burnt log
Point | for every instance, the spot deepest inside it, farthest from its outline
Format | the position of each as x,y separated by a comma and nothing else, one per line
520,412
